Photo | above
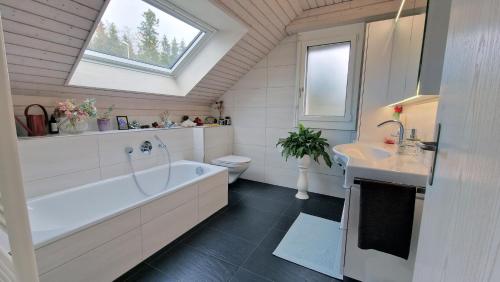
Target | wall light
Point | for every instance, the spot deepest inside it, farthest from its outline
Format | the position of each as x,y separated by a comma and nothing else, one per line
417,99
400,10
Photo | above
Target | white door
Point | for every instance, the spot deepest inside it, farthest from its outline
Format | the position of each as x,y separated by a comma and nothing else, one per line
13,211
460,233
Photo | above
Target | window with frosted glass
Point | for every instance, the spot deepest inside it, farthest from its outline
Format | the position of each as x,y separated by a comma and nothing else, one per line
326,79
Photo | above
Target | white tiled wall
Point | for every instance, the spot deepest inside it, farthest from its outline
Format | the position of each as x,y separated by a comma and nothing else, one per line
422,117
262,107
214,142
53,164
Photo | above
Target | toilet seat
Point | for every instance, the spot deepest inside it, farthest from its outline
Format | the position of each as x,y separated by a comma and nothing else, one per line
231,161
235,165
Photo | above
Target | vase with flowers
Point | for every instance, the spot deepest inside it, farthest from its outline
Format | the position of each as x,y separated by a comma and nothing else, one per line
219,106
398,109
72,117
104,121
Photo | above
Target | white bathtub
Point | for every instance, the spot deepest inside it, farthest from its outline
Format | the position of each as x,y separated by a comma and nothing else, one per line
75,223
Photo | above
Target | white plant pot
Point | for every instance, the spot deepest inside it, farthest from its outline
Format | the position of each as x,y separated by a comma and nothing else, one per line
66,127
302,182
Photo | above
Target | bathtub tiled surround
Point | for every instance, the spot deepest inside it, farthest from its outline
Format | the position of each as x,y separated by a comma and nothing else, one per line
106,249
262,107
52,164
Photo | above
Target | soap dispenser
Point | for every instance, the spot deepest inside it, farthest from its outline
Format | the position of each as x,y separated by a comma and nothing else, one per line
411,143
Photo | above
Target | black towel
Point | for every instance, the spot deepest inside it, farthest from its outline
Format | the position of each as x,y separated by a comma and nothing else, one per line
386,217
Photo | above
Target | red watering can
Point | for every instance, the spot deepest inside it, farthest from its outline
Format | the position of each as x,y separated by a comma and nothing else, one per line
36,125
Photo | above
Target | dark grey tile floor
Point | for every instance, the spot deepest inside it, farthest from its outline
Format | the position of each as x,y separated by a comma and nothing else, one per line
236,243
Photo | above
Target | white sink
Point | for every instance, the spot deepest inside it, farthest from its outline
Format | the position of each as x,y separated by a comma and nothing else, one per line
362,151
380,161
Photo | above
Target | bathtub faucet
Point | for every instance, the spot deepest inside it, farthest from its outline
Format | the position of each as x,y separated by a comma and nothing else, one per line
146,147
161,145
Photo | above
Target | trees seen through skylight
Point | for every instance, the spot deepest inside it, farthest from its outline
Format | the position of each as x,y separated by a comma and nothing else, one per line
144,43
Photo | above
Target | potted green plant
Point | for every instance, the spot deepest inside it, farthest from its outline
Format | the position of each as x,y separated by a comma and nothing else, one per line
304,145
104,121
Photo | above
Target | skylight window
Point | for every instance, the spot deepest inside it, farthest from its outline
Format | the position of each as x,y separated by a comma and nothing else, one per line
148,35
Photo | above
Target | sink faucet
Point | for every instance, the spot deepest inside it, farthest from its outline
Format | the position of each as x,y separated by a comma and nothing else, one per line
401,132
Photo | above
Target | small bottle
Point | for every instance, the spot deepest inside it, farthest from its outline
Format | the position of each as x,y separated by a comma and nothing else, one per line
53,128
411,143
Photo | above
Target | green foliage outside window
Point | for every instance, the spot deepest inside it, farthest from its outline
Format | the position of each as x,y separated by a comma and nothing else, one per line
144,45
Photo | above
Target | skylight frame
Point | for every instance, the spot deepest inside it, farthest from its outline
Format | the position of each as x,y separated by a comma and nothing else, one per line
206,32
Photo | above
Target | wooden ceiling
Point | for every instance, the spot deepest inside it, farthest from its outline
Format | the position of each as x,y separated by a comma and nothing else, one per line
312,4
44,37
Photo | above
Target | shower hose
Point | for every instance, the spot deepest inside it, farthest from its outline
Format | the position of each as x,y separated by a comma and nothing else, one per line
161,145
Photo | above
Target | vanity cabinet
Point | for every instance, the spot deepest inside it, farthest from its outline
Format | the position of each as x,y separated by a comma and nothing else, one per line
373,265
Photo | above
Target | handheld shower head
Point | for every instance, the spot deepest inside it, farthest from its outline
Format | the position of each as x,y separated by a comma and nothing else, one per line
161,145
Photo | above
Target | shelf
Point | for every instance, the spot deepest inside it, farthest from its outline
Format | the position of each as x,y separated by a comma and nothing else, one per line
88,133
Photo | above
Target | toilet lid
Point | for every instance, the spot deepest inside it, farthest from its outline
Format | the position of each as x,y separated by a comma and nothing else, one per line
232,159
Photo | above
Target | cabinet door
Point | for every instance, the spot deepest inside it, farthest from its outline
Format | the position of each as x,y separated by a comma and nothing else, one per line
372,265
414,55
401,45
436,32
405,58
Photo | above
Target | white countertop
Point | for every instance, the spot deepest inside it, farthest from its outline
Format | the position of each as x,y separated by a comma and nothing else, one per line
379,161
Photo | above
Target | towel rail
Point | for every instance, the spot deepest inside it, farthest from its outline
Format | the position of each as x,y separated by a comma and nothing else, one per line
420,189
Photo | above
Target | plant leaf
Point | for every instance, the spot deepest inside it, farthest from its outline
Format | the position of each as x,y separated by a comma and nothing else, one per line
305,142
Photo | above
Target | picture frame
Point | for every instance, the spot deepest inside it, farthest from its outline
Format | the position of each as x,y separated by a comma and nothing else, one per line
122,122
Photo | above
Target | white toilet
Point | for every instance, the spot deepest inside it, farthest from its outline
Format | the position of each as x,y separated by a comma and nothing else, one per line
235,164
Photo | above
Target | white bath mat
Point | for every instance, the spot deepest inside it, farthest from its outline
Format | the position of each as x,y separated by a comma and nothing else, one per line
313,242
